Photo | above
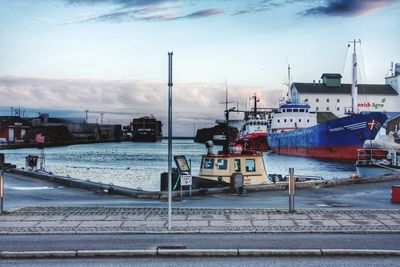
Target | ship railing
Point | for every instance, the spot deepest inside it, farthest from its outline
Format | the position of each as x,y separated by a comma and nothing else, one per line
368,154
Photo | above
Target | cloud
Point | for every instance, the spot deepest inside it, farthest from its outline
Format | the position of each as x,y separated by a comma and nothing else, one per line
123,3
142,15
122,100
346,8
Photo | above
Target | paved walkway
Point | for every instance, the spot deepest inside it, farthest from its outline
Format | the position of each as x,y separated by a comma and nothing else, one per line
87,220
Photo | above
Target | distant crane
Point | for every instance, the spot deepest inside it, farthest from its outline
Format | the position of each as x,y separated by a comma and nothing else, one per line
86,111
101,120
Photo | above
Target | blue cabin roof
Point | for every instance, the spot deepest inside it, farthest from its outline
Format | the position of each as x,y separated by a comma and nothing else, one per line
288,105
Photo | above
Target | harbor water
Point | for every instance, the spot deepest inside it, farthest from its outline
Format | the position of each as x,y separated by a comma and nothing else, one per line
138,165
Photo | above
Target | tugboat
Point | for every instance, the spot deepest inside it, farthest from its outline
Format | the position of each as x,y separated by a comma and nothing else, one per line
217,169
146,129
253,135
379,157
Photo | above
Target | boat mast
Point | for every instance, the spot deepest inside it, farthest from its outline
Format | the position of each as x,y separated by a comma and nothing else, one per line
255,103
288,84
354,78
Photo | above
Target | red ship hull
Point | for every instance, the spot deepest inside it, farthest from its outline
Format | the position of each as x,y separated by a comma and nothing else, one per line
255,141
345,153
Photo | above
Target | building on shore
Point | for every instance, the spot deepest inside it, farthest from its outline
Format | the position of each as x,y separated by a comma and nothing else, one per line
13,128
331,95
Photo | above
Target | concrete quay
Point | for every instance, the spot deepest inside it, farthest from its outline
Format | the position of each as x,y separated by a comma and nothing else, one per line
129,220
142,194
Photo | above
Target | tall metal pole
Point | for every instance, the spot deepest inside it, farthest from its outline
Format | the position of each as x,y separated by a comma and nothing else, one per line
1,191
291,189
170,140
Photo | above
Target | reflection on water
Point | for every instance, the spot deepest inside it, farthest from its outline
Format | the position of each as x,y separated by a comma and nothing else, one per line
138,165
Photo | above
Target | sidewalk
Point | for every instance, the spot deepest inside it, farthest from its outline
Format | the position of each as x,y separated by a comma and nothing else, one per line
124,220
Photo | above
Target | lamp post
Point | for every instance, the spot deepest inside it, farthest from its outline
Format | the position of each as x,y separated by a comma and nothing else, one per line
170,140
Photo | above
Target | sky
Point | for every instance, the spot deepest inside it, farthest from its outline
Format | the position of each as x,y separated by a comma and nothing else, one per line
110,56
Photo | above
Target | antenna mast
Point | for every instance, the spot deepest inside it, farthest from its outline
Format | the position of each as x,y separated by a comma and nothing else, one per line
354,78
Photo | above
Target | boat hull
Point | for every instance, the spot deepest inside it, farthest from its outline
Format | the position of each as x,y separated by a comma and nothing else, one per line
336,139
376,170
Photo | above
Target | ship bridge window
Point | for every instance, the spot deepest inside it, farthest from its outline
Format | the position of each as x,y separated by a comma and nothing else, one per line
250,165
289,110
302,110
236,165
295,110
222,164
208,163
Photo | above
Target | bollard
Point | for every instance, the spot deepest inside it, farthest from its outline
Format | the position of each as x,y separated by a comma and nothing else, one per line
1,191
291,190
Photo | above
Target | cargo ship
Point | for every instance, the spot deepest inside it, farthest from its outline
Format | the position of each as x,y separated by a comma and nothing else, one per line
294,129
146,129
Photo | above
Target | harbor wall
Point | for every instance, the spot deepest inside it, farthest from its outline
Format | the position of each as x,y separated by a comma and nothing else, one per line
113,189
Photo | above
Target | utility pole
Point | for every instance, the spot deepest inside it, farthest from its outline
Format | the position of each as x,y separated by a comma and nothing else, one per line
101,120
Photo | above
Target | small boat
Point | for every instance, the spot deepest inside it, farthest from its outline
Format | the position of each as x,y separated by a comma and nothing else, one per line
218,169
379,157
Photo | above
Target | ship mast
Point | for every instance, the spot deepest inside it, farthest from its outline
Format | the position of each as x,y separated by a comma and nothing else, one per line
288,84
256,99
354,78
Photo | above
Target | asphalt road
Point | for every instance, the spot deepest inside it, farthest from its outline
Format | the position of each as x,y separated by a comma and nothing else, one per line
196,241
208,262
26,191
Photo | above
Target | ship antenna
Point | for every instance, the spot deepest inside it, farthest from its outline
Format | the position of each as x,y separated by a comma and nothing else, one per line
226,144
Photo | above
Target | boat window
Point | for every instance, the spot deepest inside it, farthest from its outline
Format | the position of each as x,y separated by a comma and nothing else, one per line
279,121
222,164
327,100
299,120
289,110
317,100
250,165
301,110
291,120
208,163
236,164
284,120
338,108
338,100
327,108
283,110
295,110
306,110
308,120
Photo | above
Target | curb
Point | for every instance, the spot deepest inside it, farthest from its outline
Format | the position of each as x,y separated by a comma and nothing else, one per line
199,253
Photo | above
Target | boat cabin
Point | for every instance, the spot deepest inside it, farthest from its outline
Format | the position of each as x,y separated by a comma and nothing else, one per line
220,167
292,116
